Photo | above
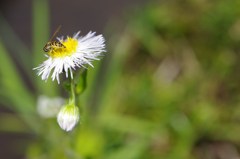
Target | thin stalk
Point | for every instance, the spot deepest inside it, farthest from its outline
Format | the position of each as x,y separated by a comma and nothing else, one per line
72,97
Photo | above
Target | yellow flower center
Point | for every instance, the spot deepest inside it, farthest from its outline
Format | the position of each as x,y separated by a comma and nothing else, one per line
61,51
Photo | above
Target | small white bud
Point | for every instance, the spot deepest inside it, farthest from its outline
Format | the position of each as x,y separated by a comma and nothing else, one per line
49,107
68,117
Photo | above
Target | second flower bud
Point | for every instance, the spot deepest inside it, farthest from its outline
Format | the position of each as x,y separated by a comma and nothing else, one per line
68,117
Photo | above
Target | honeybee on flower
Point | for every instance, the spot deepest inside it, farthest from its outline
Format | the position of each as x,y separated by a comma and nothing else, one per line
53,45
70,53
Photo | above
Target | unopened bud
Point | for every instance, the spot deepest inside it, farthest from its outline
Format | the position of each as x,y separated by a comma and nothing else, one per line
49,107
68,117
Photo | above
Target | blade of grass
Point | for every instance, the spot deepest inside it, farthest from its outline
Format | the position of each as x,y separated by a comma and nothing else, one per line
40,38
12,124
114,67
22,101
20,50
134,150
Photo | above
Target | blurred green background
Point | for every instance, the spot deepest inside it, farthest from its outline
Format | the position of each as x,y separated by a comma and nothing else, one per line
168,87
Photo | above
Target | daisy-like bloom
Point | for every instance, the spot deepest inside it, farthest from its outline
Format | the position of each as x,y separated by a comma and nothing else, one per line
77,52
68,117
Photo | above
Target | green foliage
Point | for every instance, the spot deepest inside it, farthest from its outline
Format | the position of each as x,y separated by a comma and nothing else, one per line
169,90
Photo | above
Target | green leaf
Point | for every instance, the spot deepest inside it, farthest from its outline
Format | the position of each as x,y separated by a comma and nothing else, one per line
81,82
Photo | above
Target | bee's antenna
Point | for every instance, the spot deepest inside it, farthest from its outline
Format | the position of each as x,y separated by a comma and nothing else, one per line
55,33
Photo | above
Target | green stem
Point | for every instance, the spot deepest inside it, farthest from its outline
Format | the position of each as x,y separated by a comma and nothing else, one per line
72,98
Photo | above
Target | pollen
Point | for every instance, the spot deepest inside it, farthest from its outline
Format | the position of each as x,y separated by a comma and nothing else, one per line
70,48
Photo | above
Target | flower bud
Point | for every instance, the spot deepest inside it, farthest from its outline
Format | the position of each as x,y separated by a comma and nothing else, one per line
49,107
68,117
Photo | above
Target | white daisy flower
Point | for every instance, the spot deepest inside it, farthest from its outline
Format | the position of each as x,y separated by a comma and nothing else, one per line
78,51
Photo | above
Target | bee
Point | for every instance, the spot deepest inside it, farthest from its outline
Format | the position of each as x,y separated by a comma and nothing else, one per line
52,45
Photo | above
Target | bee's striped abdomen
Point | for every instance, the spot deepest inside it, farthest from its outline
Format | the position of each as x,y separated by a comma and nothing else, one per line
50,46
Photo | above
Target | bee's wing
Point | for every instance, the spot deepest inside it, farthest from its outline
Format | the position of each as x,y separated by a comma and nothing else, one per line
60,39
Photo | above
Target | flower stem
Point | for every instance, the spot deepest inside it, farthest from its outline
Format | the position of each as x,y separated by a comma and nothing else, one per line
72,97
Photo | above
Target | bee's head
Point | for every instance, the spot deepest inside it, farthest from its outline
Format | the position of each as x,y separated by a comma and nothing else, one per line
47,47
